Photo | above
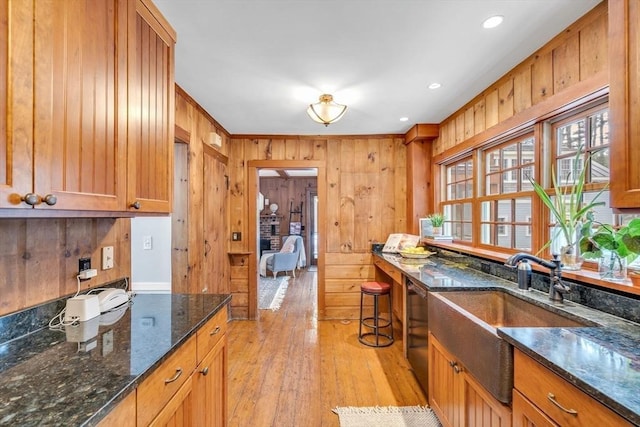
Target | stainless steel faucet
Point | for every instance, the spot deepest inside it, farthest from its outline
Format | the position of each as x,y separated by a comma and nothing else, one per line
557,288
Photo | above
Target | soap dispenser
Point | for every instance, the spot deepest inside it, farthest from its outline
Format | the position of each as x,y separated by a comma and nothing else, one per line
524,275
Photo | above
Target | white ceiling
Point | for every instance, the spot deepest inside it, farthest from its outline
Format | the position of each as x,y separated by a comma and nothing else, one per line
255,65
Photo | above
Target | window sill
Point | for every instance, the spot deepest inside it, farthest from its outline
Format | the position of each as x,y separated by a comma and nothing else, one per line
586,276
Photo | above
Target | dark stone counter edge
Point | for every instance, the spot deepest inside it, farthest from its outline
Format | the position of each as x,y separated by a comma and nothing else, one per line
612,404
137,380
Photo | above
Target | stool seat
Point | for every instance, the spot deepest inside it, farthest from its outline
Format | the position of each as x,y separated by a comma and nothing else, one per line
376,288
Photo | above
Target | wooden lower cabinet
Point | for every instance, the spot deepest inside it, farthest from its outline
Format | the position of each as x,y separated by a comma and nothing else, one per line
210,386
189,388
179,410
525,413
456,397
541,392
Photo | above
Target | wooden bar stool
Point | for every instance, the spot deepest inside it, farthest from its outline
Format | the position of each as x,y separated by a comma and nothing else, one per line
375,323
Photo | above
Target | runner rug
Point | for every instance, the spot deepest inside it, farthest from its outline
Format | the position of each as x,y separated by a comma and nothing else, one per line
271,292
387,416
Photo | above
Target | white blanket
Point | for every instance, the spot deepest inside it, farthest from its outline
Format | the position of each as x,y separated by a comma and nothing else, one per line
263,263
302,256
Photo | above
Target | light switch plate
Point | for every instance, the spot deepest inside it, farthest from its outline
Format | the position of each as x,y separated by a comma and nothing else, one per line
147,243
107,257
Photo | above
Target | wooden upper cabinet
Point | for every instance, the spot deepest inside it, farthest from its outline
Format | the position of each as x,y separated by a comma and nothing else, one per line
151,110
16,100
624,70
66,130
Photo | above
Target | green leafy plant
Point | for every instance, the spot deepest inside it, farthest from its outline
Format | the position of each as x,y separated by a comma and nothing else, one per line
567,206
436,219
623,242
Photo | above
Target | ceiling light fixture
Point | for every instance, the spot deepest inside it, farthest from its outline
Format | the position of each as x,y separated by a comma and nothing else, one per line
434,85
326,111
493,21
404,119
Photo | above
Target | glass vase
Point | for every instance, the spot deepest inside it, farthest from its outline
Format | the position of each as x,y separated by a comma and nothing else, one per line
567,249
612,267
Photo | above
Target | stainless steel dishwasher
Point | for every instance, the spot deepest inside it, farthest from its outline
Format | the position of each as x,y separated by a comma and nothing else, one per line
416,319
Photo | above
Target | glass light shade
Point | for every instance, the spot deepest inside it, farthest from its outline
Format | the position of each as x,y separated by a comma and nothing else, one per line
326,111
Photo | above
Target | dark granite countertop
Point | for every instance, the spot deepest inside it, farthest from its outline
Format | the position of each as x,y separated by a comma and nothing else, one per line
47,378
603,360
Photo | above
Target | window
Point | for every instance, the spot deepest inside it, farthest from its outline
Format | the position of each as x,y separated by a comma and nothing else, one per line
507,197
583,136
498,199
458,199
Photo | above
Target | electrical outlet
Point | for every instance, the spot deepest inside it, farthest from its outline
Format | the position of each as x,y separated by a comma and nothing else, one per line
107,257
236,236
84,264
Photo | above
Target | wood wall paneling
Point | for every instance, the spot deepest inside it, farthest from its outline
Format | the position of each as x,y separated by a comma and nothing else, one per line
203,199
39,257
577,55
363,201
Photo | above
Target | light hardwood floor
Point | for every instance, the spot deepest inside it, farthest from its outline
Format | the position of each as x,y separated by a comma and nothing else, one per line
290,369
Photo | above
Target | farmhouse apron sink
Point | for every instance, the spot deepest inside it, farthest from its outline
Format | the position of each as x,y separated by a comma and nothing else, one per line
466,323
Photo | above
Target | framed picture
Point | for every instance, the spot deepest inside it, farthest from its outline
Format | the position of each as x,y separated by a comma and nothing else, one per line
295,227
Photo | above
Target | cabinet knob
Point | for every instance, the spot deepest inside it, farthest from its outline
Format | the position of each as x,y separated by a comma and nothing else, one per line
31,199
50,199
135,205
205,371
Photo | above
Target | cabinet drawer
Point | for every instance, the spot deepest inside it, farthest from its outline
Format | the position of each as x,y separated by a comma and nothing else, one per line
390,270
211,332
165,381
541,387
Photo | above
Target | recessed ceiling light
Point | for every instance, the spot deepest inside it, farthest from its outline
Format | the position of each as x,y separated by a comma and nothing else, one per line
493,21
434,85
404,119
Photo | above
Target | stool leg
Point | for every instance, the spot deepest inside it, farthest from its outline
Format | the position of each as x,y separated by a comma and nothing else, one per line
360,328
376,317
391,316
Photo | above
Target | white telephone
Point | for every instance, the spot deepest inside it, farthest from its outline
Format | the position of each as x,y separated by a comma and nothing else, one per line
111,298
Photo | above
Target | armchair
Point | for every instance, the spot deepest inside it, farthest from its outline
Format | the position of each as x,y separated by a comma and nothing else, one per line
288,257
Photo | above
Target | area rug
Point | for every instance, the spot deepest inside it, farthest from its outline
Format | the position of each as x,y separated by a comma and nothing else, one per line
387,416
271,292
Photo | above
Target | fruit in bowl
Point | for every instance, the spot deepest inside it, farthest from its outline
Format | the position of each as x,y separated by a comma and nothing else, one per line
415,252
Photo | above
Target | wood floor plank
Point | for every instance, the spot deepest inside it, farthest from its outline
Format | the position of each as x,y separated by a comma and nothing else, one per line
289,369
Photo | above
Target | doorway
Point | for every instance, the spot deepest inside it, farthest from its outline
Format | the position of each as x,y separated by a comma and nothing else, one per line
287,205
255,209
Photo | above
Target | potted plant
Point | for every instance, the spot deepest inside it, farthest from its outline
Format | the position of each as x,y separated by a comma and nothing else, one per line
568,210
436,220
613,247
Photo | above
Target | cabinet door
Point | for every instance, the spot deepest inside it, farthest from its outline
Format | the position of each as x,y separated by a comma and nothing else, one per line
179,410
624,91
151,110
445,385
79,136
16,101
210,385
525,414
481,408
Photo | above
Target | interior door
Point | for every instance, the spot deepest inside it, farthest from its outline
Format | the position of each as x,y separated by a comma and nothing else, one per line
215,266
